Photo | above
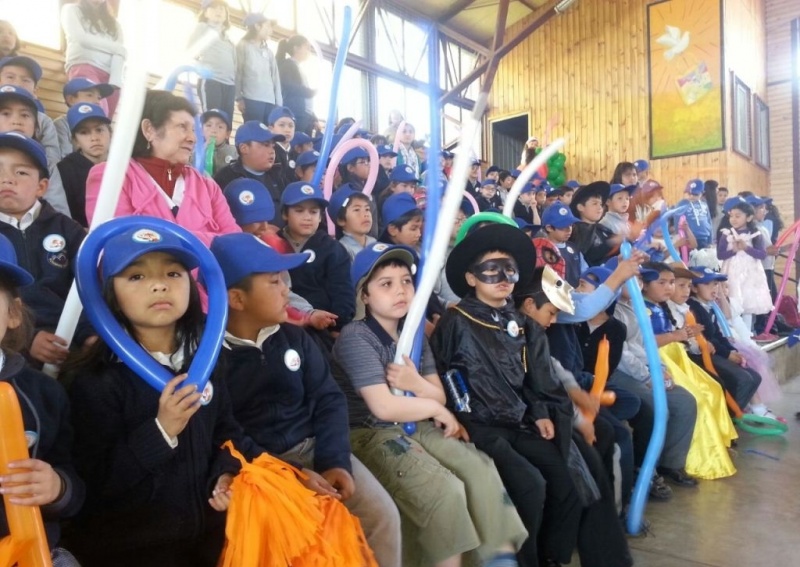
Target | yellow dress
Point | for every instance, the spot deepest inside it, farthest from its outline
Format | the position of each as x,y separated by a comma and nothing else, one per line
708,456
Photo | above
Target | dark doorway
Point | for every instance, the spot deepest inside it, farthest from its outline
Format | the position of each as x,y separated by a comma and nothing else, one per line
508,138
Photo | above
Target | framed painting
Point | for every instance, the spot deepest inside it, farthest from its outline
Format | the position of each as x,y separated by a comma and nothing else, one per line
760,133
742,117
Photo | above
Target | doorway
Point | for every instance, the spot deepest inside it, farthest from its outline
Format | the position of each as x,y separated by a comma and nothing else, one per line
508,138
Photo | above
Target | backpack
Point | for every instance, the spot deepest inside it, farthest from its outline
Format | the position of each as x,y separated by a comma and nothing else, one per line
787,308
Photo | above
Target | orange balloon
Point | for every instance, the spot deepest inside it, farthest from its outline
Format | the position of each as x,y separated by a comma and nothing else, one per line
24,522
598,390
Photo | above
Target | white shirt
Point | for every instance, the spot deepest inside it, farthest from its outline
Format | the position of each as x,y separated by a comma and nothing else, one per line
26,220
263,335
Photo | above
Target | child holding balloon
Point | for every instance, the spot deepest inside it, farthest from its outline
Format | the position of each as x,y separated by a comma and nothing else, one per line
48,479
351,210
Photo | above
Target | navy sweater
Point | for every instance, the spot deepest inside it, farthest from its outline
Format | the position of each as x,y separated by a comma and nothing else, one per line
284,393
45,414
711,332
52,270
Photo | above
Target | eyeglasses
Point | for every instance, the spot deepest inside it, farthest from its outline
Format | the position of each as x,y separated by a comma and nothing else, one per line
362,162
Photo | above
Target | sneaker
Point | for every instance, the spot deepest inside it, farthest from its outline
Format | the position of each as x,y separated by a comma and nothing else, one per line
659,490
766,412
766,338
678,476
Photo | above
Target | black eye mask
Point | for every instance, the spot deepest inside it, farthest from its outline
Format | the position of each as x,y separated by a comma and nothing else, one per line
496,271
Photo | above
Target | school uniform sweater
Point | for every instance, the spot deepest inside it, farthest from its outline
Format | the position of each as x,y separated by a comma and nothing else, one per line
257,75
74,170
140,491
219,56
47,249
45,415
592,240
325,279
283,393
64,136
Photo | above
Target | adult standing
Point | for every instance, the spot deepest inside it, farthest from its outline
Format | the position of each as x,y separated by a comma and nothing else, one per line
258,84
94,46
297,95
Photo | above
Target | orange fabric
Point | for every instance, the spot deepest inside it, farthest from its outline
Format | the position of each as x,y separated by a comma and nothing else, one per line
275,521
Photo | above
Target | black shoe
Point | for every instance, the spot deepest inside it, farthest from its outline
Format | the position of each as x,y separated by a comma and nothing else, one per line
659,490
678,476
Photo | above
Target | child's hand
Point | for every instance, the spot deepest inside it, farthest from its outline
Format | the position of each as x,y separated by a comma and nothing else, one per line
318,484
694,330
321,320
37,484
403,376
176,407
447,421
735,357
341,480
49,348
586,428
773,250
586,403
546,429
680,335
221,495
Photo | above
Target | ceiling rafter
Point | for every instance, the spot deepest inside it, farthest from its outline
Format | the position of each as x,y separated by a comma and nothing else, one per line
455,9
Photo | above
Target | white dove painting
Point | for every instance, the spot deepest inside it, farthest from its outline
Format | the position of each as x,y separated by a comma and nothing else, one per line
675,42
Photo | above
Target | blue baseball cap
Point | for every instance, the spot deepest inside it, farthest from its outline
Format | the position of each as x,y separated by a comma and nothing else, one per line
354,154
529,188
525,225
241,254
641,165
396,206
596,275
515,173
403,174
301,138
341,198
280,112
23,61
249,201
22,95
646,273
255,131
541,188
255,18
447,154
28,146
708,275
9,266
386,150
307,158
694,186
80,112
342,130
731,202
619,187
757,201
79,84
573,184
216,113
122,250
489,182
558,215
298,192
491,169
366,260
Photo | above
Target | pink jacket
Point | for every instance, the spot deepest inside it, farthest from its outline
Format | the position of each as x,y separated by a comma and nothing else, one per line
204,210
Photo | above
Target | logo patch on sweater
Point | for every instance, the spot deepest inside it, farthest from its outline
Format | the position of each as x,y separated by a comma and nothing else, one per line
59,260
54,243
207,395
292,360
311,256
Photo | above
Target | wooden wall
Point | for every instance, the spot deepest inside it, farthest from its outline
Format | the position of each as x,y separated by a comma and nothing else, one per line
586,70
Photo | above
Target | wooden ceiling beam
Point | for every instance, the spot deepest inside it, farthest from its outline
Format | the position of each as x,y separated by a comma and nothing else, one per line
455,9
499,36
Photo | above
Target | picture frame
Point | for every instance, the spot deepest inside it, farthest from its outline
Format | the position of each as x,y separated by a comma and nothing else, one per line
742,117
761,150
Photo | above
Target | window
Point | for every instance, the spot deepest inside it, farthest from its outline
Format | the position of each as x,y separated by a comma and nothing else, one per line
44,29
412,104
401,45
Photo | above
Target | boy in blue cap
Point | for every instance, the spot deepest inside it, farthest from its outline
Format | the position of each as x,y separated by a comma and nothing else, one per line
402,179
281,122
402,221
305,166
46,242
282,391
487,197
351,211
354,167
698,217
594,240
616,218
217,131
78,90
525,207
90,131
324,280
557,223
300,143
256,146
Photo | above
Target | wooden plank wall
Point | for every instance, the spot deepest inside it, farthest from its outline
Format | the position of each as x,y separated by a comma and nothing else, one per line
587,71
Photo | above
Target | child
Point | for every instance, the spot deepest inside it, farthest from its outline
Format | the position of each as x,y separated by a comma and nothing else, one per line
698,216
504,181
48,478
486,341
298,96
740,381
594,240
708,456
567,193
76,91
492,173
402,221
305,166
91,134
406,154
281,122
616,218
9,41
355,166
760,207
402,179
301,143
487,197
219,57
282,391
647,198
258,84
387,157
474,177
558,221
525,208
46,241
351,210
325,279
642,170
217,131
157,478
741,249
450,496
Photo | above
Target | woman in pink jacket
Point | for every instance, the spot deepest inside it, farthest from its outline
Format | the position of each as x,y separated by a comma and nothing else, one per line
158,182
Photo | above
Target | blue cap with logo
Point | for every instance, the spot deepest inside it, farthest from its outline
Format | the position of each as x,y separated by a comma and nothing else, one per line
695,187
366,260
396,206
77,113
619,187
528,188
9,266
22,95
216,113
301,138
79,84
386,150
299,192
488,183
255,131
525,225
341,198
307,158
708,275
756,201
26,145
573,184
249,201
596,275
23,61
241,254
641,165
403,174
354,154
122,250
515,173
731,202
646,273
558,215
280,112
